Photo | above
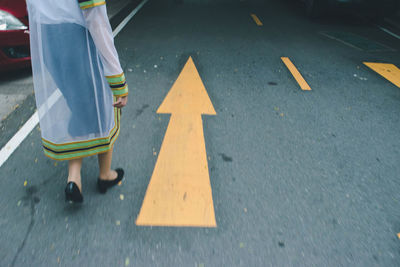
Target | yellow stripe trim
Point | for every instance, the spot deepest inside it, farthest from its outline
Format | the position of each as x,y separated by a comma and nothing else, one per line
88,155
115,76
112,141
123,81
93,5
119,89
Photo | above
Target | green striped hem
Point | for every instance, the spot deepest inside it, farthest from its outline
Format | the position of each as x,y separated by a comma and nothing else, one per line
74,150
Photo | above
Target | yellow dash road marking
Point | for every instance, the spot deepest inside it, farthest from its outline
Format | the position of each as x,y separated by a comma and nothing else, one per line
296,74
256,19
179,192
388,71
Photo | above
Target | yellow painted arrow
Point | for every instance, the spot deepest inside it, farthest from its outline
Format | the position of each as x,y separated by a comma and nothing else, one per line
389,71
179,193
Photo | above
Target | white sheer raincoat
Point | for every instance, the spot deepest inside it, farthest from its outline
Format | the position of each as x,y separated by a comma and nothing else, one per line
76,74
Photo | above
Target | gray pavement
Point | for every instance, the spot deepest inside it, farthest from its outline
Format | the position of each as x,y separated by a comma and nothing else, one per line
298,178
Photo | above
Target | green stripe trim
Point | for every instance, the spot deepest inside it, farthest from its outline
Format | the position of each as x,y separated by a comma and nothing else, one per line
121,92
107,143
117,79
119,89
92,3
81,154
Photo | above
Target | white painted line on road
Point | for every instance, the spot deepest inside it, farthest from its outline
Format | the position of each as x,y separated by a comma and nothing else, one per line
128,18
389,32
17,139
20,136
22,133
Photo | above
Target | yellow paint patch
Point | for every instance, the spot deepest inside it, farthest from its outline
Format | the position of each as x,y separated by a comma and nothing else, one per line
256,20
388,71
296,74
179,192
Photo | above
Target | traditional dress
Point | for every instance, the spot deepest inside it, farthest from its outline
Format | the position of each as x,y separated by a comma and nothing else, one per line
77,75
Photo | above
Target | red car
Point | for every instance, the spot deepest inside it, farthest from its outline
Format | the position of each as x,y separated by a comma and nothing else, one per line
14,35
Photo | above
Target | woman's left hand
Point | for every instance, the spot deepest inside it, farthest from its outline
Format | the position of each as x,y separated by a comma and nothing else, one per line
121,102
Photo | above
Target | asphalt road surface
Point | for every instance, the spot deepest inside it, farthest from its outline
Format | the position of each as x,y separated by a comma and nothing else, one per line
298,178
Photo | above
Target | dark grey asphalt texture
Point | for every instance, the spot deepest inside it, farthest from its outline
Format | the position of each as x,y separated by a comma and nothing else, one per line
298,178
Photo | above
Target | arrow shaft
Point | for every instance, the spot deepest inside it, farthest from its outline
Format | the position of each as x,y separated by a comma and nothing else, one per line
179,193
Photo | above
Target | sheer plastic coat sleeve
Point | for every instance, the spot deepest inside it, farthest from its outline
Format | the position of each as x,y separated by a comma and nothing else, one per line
100,29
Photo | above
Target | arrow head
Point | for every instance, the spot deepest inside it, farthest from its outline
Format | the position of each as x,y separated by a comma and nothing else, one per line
188,94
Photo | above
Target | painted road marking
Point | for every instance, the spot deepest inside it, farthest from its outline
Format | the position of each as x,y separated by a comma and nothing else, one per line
22,133
179,192
128,18
256,19
388,71
296,74
389,32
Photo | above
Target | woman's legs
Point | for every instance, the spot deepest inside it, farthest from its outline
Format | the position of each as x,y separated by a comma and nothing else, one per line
74,172
106,173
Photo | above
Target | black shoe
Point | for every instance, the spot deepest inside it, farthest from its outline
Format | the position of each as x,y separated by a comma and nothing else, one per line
103,185
72,193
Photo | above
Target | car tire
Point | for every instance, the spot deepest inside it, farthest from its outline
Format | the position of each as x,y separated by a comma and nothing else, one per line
315,8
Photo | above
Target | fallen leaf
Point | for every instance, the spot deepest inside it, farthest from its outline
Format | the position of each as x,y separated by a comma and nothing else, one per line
126,261
245,210
398,235
155,153
241,245
281,114
118,223
25,183
19,203
36,160
121,197
120,183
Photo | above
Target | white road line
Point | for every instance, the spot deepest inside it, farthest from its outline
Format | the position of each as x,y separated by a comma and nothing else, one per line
389,32
128,18
17,139
22,133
